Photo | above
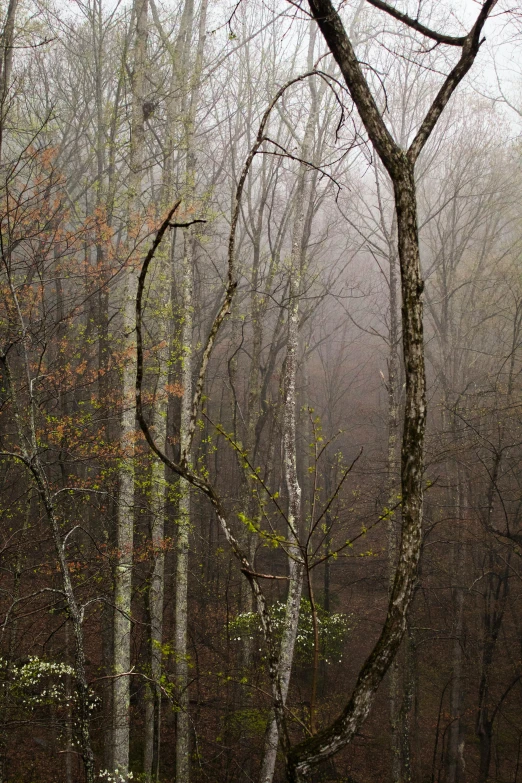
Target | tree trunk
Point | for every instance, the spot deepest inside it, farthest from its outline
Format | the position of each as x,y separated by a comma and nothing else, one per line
176,108
295,562
408,694
495,600
454,761
187,309
152,726
125,515
400,166
392,491
183,525
6,63
453,758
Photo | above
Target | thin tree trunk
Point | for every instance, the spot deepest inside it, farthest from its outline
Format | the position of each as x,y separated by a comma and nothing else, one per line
495,599
183,524
180,53
454,754
6,64
392,492
452,775
295,560
408,695
125,516
187,308
69,747
152,728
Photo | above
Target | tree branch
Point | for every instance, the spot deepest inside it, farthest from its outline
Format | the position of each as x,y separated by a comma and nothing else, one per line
335,35
469,52
451,40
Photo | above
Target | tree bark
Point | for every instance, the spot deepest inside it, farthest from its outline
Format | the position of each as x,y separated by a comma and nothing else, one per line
152,726
392,389
183,525
184,521
125,516
293,488
400,166
6,63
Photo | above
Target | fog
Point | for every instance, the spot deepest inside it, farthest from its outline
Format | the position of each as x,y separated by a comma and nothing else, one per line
260,377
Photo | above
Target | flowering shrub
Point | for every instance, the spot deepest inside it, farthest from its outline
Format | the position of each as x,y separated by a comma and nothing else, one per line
333,630
114,777
36,682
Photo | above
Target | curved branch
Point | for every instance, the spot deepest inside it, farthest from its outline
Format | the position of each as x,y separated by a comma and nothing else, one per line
182,468
451,40
231,274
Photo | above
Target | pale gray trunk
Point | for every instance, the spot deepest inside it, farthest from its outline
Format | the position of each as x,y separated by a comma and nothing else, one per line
125,517
125,529
104,186
295,561
296,569
6,63
69,738
183,528
187,307
179,53
152,726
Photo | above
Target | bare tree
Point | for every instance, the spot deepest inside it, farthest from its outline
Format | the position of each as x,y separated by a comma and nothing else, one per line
400,166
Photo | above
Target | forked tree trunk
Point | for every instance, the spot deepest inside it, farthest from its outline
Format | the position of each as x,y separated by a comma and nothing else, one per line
400,165
328,742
